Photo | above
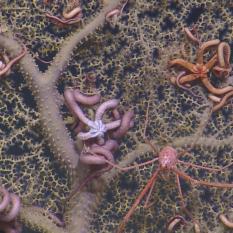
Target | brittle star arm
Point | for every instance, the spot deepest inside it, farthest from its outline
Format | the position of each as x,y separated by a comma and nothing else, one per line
97,127
75,109
181,62
63,56
13,61
211,62
104,107
214,90
204,47
188,78
222,102
63,21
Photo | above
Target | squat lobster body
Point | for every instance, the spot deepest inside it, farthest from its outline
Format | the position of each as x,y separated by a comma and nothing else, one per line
168,161
168,158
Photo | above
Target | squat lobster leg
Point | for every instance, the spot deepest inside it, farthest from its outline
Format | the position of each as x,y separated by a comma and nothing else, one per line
138,200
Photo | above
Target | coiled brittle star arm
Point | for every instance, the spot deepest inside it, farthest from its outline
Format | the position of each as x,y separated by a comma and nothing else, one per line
98,128
70,99
8,199
12,62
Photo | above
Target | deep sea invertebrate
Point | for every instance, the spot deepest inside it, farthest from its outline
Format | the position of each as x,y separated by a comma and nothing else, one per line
115,13
168,161
190,34
6,63
172,224
73,10
221,101
72,14
223,68
223,218
128,61
200,70
97,127
9,211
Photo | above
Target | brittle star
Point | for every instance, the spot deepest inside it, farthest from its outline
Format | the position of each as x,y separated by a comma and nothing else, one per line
97,127
96,155
8,199
200,70
223,68
5,68
71,16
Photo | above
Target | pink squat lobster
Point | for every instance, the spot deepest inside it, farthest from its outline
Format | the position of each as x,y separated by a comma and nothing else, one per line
168,160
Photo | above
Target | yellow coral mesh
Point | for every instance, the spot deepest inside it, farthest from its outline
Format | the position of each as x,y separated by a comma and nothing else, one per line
130,60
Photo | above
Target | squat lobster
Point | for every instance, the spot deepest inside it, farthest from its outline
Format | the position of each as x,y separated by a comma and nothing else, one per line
168,160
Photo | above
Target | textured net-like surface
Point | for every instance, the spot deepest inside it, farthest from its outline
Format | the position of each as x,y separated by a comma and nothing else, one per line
129,59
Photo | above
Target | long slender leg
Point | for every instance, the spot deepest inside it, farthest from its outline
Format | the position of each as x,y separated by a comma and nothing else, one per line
149,195
182,198
137,201
204,167
130,167
144,133
222,102
202,182
147,118
152,146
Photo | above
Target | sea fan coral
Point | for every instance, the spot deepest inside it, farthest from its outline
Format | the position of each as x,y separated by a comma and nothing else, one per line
129,58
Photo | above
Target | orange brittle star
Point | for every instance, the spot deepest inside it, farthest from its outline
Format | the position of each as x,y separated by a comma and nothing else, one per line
200,70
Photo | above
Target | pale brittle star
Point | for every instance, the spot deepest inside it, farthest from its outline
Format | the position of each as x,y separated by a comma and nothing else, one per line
97,127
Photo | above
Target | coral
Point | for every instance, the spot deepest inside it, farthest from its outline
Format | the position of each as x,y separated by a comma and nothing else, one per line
129,58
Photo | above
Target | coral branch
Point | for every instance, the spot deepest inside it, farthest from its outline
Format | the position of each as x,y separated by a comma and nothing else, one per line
38,219
62,58
44,92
